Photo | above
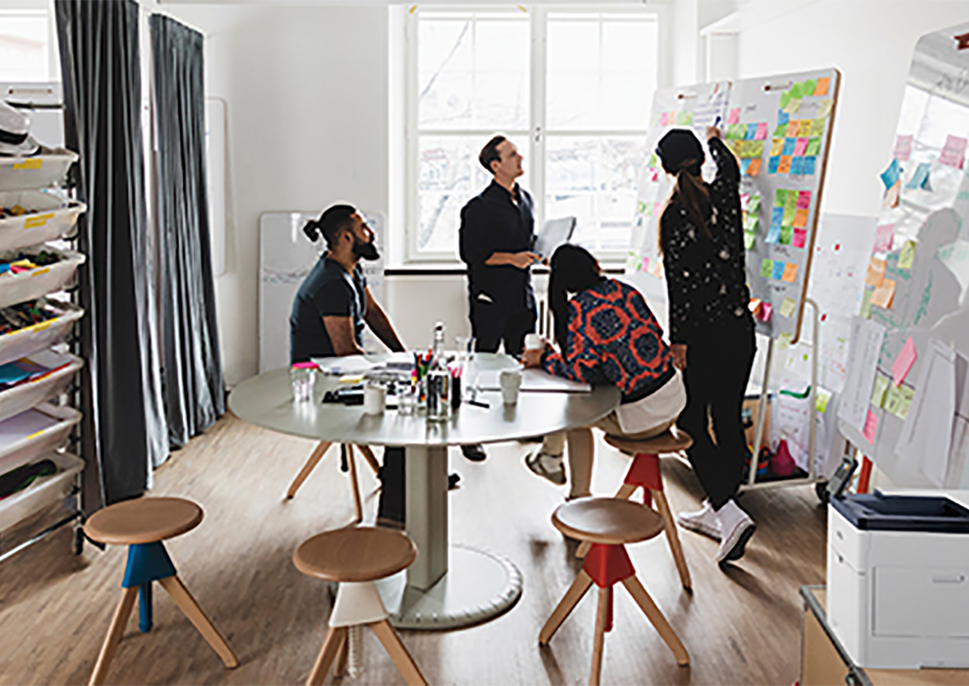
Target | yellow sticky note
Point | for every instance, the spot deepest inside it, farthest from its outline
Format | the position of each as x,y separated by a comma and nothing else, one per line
784,341
881,388
823,398
790,275
907,257
899,400
876,272
804,128
866,304
33,163
787,307
776,145
824,108
817,127
883,295
793,106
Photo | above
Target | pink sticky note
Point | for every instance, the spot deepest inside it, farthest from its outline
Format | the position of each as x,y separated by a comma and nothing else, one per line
903,148
744,197
906,358
871,427
803,200
765,311
662,119
733,117
800,237
954,151
800,146
761,131
883,238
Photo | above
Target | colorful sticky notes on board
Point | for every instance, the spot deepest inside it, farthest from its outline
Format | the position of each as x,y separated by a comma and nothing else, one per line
822,400
800,219
753,204
780,197
800,145
766,268
822,87
954,151
881,388
761,133
774,236
765,312
907,257
800,237
749,240
808,165
788,147
906,358
790,272
884,235
876,272
813,146
773,164
778,270
754,168
793,106
891,174
787,308
884,294
733,116
786,235
817,128
824,108
899,400
803,200
866,304
776,146
870,429
920,179
903,148
784,167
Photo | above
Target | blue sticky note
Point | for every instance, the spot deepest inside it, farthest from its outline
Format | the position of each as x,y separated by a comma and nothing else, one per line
778,270
782,117
796,165
744,164
777,216
774,234
772,164
807,165
789,144
890,175
751,132
920,178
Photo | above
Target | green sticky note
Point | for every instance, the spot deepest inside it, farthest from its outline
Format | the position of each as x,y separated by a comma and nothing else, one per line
756,148
905,401
780,131
766,267
817,127
809,86
653,161
789,214
787,233
866,304
881,388
749,239
751,223
785,98
822,400
791,201
753,205
907,257
780,197
796,91
813,147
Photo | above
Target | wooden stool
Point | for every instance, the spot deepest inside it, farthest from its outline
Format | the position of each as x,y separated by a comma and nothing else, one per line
608,524
347,453
645,472
356,557
142,525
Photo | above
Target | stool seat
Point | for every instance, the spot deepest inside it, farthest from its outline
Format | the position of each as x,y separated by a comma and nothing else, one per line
608,521
355,554
145,520
671,441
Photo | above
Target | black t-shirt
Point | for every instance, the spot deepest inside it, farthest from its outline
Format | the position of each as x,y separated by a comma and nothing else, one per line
328,291
491,222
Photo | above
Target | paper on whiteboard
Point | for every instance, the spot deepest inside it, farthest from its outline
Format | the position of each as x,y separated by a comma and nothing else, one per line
555,232
866,343
927,433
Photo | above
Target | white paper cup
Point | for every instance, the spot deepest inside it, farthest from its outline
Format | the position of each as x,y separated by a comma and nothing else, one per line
511,382
533,341
374,399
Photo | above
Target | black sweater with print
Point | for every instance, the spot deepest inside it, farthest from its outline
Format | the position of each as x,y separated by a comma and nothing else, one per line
706,278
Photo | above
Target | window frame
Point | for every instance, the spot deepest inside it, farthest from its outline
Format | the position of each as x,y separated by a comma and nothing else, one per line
536,135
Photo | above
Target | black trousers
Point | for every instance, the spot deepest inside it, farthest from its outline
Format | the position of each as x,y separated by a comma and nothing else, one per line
493,324
717,369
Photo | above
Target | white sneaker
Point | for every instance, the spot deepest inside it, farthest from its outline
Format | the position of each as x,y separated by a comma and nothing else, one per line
550,467
704,521
736,528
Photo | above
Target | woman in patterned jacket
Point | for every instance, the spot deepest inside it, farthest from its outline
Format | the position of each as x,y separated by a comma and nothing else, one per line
607,335
711,328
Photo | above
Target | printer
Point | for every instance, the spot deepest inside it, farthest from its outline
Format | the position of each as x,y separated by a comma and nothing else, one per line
898,580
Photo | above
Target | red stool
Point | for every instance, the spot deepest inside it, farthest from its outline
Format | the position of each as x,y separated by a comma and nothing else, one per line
645,473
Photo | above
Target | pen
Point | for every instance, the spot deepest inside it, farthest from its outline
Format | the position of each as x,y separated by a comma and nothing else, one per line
717,122
478,403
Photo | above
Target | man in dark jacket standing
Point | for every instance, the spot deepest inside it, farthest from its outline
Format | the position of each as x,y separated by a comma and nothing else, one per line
497,235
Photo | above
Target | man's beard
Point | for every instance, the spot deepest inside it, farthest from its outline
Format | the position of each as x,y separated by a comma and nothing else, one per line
366,251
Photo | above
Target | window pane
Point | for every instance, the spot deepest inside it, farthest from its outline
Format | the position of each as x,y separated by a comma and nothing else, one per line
594,179
473,73
450,175
601,71
23,47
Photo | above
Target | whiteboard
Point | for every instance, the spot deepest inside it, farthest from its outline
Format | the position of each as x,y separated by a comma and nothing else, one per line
286,257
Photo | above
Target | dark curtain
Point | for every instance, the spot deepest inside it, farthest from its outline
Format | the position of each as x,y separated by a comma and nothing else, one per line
192,369
100,67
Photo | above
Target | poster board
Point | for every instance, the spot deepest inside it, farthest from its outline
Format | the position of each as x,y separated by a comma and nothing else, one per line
916,284
780,128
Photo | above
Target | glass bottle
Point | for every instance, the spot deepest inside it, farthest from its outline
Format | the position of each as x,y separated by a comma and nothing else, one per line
438,379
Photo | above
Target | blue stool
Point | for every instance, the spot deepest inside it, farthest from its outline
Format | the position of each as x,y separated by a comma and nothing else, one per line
142,525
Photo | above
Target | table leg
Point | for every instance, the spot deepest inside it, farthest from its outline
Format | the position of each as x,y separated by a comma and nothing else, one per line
427,514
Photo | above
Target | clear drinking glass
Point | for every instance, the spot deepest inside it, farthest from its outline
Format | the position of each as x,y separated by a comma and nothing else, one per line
303,379
407,400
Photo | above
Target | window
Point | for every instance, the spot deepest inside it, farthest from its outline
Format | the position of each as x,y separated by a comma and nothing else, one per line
572,89
25,53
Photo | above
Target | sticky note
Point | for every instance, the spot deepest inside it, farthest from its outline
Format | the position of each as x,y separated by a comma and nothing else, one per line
783,117
751,223
765,312
753,204
744,199
754,168
903,148
824,108
920,179
822,400
822,87
788,147
891,195
796,91
954,151
761,132
793,106
800,219
790,272
778,270
780,197
754,306
784,166
890,175
776,146
645,265
785,99
907,256
817,127
870,429
780,131
787,308
883,295
808,165
904,395
803,200
793,128
797,165
756,148
773,164
906,358
766,267
813,146
777,216
774,236
749,240
684,118
800,237
804,128
876,272
808,87
883,238
790,201
800,146
881,388
733,116
744,165
786,235
750,132
866,304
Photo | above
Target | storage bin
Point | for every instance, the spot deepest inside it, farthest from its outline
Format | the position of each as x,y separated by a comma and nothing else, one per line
20,398
32,339
28,285
43,493
30,434
40,171
55,219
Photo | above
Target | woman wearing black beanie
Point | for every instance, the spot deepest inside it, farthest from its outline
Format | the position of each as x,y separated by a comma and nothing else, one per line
711,329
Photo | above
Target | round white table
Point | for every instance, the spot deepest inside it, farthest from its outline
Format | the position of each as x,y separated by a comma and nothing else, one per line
438,591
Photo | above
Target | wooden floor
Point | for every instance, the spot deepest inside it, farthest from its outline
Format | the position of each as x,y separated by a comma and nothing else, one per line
740,626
